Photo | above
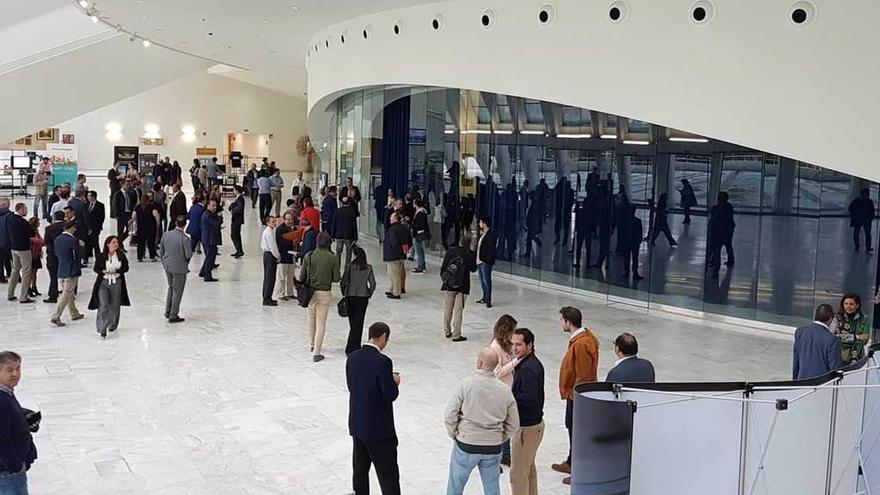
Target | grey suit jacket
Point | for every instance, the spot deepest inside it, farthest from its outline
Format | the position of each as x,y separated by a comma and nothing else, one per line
176,251
632,370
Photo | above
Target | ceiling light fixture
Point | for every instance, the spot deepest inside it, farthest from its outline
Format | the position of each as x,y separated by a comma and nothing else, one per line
294,7
497,131
608,136
94,18
688,140
636,141
84,4
574,136
477,131
151,131
532,132
449,131
146,43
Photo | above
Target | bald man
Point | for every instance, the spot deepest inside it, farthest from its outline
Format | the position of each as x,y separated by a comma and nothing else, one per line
480,417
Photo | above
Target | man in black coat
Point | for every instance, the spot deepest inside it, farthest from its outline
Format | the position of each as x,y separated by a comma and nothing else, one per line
631,230
861,216
721,227
95,214
18,451
486,260
176,205
629,368
394,256
5,253
211,222
237,211
52,232
126,200
286,265
528,391
373,388
19,232
345,228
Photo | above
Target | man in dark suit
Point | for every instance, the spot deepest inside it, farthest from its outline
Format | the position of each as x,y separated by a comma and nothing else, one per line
721,228
485,260
67,250
95,214
633,230
345,228
52,232
861,216
373,387
211,222
81,217
176,206
816,349
629,368
125,201
237,210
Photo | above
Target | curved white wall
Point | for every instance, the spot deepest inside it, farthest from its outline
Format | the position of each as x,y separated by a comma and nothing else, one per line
749,76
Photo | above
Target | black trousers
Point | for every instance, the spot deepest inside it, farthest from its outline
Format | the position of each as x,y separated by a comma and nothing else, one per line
270,268
664,228
265,206
631,256
569,413
714,260
146,241
210,261
357,311
383,455
451,224
584,238
254,192
92,246
236,238
866,226
5,263
52,266
122,219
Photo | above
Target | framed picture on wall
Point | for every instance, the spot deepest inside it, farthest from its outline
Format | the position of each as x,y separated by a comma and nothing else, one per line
27,141
67,139
46,135
19,141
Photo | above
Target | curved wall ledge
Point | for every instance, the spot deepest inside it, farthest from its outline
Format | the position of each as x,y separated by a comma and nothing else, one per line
746,72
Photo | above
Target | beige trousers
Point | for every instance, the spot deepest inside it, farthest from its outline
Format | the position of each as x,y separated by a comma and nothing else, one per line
452,313
319,306
67,298
523,449
286,274
397,274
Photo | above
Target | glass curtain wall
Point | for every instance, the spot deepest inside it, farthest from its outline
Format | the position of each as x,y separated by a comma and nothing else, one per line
575,196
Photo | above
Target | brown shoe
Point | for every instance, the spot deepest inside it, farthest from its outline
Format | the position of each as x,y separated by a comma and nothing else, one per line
566,480
563,467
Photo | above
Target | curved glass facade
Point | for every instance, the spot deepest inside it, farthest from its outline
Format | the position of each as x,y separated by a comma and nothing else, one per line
558,181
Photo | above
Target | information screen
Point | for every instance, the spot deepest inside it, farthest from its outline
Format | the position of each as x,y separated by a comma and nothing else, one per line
21,162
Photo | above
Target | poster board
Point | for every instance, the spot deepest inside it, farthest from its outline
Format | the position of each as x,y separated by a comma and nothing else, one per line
125,156
64,163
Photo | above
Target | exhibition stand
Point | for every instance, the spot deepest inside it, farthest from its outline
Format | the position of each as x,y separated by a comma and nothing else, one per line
817,436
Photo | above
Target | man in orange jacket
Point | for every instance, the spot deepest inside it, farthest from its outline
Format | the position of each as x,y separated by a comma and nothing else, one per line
579,365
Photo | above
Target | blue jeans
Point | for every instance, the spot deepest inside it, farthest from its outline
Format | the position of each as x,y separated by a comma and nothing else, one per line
461,465
13,484
420,254
485,272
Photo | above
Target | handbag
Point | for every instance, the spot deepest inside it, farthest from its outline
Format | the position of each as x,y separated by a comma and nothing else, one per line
304,292
342,307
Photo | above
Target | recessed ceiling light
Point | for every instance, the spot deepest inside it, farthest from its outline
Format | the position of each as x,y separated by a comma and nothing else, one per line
94,18
146,43
294,7
84,4
267,21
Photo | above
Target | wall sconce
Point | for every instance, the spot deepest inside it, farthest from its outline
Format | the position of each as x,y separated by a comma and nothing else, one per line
151,131
189,134
114,131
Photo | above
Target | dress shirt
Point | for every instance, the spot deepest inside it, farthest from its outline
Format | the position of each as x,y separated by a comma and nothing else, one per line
479,245
268,242
624,358
373,345
577,332
824,325
59,205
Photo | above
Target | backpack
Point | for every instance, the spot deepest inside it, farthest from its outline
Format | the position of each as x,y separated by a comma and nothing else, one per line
455,274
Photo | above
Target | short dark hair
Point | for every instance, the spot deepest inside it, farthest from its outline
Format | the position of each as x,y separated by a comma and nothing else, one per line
239,189
486,221
9,357
69,224
571,315
824,312
378,329
627,344
323,240
58,215
527,335
180,221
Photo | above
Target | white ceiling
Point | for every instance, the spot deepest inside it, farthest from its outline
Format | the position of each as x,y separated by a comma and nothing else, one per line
269,37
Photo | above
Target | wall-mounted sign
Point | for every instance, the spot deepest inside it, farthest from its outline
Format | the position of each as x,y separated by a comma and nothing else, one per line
206,151
152,141
418,136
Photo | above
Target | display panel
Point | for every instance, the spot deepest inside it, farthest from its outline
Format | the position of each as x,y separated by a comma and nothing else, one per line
601,447
21,162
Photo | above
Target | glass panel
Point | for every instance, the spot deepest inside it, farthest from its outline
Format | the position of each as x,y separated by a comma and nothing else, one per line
639,127
636,175
534,113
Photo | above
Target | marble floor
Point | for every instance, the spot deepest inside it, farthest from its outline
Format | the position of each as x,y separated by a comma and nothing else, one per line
229,402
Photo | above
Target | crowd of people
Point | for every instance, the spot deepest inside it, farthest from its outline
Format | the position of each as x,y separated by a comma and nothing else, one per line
495,417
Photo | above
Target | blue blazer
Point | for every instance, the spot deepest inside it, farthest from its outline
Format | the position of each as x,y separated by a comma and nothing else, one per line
632,370
211,228
66,248
194,227
372,392
816,352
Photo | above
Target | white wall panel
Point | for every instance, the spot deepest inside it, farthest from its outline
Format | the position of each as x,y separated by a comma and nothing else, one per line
749,76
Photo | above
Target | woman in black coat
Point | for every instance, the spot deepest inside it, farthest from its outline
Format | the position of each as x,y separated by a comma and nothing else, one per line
661,221
109,293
